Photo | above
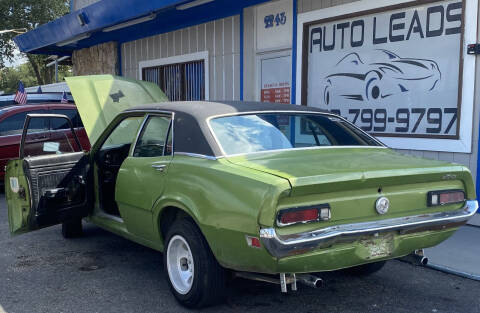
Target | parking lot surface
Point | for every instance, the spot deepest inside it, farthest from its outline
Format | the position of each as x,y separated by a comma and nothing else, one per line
101,272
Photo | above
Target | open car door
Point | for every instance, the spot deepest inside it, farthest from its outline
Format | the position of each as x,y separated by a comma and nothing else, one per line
50,182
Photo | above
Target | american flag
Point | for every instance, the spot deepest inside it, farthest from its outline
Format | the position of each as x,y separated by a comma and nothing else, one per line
21,95
64,97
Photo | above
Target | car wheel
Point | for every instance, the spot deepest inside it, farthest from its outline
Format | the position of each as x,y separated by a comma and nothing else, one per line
72,228
365,269
372,88
194,275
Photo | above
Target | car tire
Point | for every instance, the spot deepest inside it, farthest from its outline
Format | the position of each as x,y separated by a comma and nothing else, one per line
193,274
372,88
365,269
72,228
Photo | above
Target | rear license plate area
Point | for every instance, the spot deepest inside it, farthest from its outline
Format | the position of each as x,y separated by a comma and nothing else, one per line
377,246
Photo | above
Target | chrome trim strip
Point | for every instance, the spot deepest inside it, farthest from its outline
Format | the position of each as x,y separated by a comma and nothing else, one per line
147,111
381,144
20,135
281,246
196,155
42,131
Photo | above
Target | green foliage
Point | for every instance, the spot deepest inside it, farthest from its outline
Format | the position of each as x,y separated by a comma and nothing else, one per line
27,14
10,76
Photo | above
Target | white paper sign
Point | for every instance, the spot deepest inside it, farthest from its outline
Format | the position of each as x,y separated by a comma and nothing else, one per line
394,73
14,186
51,146
274,25
276,78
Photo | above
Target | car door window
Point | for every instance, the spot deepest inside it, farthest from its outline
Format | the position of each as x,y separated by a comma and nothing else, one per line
40,142
124,133
72,115
151,142
13,125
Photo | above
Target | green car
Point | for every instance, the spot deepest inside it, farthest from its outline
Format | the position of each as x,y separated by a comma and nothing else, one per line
270,192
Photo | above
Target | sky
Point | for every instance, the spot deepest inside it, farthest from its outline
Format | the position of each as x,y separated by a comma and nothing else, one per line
18,59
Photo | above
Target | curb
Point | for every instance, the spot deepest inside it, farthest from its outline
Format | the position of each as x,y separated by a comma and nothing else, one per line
452,271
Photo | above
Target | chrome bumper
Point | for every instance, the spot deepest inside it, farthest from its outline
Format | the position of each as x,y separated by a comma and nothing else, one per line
281,246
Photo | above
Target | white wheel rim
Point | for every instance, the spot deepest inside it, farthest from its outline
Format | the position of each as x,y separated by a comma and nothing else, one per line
180,264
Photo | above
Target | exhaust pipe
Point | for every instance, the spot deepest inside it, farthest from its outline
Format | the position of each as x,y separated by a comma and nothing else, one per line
284,279
417,258
310,280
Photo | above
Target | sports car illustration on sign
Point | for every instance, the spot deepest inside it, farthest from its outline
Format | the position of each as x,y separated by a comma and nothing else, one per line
389,74
233,189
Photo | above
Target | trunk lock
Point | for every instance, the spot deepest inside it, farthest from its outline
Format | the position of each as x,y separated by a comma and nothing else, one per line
381,205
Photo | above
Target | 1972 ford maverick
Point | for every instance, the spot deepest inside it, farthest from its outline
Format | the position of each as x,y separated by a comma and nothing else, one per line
263,191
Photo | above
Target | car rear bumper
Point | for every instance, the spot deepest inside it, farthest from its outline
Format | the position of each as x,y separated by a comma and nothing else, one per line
283,246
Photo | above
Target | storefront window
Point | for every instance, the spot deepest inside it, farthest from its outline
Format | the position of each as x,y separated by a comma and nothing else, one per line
180,81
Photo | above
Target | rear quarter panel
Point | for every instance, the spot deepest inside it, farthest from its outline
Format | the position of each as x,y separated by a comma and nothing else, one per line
225,201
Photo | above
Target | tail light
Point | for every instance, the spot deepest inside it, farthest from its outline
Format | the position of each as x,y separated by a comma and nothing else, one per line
443,197
303,215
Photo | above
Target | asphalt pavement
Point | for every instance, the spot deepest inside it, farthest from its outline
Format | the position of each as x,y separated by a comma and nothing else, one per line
101,272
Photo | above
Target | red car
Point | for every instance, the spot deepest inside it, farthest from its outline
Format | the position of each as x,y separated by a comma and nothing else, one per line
12,119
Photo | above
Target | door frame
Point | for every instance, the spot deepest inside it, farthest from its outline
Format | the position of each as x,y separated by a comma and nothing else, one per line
31,116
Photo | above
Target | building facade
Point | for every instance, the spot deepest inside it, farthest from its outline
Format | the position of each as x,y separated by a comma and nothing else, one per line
399,69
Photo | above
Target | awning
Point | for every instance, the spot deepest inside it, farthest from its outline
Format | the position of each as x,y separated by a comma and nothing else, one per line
122,21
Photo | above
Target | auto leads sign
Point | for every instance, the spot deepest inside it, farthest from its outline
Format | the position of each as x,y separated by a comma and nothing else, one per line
394,73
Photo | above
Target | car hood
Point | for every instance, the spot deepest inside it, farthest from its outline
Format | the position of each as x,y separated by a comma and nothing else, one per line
100,98
309,169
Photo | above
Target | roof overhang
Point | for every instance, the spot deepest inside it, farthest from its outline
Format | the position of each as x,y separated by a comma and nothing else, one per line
123,21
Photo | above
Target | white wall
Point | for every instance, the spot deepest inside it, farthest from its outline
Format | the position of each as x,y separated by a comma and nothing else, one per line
221,38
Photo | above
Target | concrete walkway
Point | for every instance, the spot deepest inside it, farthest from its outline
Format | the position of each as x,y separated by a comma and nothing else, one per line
460,253
475,221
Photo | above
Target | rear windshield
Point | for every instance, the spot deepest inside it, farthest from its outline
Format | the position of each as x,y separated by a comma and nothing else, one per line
250,133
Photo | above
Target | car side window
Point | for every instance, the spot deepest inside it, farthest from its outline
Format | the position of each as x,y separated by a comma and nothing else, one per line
56,124
151,142
124,133
39,141
13,125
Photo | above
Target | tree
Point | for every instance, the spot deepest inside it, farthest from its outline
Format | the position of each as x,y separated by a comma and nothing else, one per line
10,76
28,14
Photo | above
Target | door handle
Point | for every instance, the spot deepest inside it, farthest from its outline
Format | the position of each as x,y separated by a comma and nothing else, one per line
159,167
55,193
